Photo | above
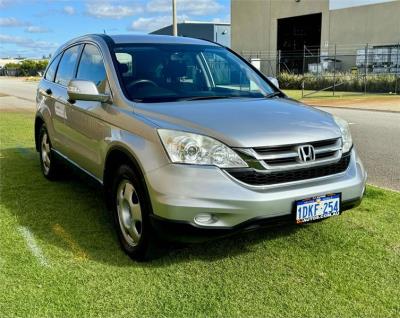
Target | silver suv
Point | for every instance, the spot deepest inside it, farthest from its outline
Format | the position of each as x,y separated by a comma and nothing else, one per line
189,140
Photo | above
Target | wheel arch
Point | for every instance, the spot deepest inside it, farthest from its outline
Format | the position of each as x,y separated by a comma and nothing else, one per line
115,157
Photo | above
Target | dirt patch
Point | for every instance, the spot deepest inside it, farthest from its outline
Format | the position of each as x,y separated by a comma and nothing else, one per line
384,103
3,95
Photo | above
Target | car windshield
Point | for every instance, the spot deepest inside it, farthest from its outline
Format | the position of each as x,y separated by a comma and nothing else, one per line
171,72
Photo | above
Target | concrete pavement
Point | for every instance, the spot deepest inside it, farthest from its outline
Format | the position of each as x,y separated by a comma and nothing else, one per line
376,134
17,94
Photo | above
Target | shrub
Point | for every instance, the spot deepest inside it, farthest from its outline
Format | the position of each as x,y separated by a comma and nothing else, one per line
26,67
376,83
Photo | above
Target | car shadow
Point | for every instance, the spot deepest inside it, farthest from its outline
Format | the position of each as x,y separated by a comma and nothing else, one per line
71,214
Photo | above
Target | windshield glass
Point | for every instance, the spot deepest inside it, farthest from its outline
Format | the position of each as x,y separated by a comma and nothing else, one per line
169,72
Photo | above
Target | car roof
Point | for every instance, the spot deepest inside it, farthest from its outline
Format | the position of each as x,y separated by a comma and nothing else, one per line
153,38
138,38
134,39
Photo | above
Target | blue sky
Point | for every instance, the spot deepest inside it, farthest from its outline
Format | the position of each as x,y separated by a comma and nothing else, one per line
34,28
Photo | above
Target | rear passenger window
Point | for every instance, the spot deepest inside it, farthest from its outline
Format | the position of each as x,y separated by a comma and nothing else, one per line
91,67
66,69
51,71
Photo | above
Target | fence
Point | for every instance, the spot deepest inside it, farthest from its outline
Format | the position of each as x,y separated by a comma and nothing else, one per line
358,68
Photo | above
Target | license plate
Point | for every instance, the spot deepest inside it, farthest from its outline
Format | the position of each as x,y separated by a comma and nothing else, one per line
317,208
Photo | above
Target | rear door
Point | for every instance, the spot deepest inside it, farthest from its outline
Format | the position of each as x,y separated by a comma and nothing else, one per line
65,72
46,96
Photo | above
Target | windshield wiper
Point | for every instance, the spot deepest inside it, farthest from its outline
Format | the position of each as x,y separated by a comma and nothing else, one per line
274,94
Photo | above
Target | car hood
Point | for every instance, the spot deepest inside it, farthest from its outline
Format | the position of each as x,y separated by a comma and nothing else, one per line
245,122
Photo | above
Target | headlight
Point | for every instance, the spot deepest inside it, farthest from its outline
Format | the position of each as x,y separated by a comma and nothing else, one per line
184,147
346,135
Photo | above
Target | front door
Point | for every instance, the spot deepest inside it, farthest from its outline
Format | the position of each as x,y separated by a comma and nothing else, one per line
84,123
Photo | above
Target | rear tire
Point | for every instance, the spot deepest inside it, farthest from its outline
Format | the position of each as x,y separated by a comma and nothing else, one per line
48,162
131,209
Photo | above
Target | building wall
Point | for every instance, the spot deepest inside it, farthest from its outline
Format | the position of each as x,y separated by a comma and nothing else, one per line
220,33
250,21
202,31
254,23
374,24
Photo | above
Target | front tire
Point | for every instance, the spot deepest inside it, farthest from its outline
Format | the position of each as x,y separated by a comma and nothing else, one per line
131,211
48,162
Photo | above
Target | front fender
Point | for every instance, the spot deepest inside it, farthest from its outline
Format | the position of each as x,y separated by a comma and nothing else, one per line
148,153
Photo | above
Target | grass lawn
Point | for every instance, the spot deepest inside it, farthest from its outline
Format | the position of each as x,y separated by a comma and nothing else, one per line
296,94
59,256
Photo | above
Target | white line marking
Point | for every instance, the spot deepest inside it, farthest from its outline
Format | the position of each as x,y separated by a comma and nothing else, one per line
352,123
33,246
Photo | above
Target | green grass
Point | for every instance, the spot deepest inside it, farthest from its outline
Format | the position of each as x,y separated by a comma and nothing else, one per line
347,266
296,94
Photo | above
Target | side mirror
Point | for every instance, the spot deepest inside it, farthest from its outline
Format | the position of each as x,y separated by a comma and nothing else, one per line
274,81
86,90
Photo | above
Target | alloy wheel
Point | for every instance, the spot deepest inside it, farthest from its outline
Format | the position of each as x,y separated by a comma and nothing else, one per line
129,212
45,153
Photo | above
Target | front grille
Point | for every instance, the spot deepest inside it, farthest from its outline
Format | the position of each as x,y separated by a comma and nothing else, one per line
286,156
316,144
253,177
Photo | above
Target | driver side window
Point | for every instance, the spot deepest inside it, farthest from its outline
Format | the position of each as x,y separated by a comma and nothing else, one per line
91,68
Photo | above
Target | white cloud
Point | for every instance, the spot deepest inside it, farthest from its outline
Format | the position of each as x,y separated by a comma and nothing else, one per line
26,42
153,23
192,7
36,29
5,3
105,10
69,10
12,22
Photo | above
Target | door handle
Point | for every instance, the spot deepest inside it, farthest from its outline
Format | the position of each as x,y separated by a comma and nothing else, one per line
48,91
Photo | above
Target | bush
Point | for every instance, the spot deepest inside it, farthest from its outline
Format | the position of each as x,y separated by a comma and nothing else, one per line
376,83
26,68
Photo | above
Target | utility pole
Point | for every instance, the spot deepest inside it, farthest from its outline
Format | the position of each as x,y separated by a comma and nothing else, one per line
334,72
174,23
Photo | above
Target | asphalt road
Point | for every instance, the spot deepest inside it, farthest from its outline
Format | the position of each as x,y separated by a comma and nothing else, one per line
376,134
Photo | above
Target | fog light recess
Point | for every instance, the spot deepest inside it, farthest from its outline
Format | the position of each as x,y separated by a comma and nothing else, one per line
205,218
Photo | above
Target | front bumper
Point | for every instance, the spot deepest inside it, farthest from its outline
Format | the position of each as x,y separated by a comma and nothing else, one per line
180,192
189,232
